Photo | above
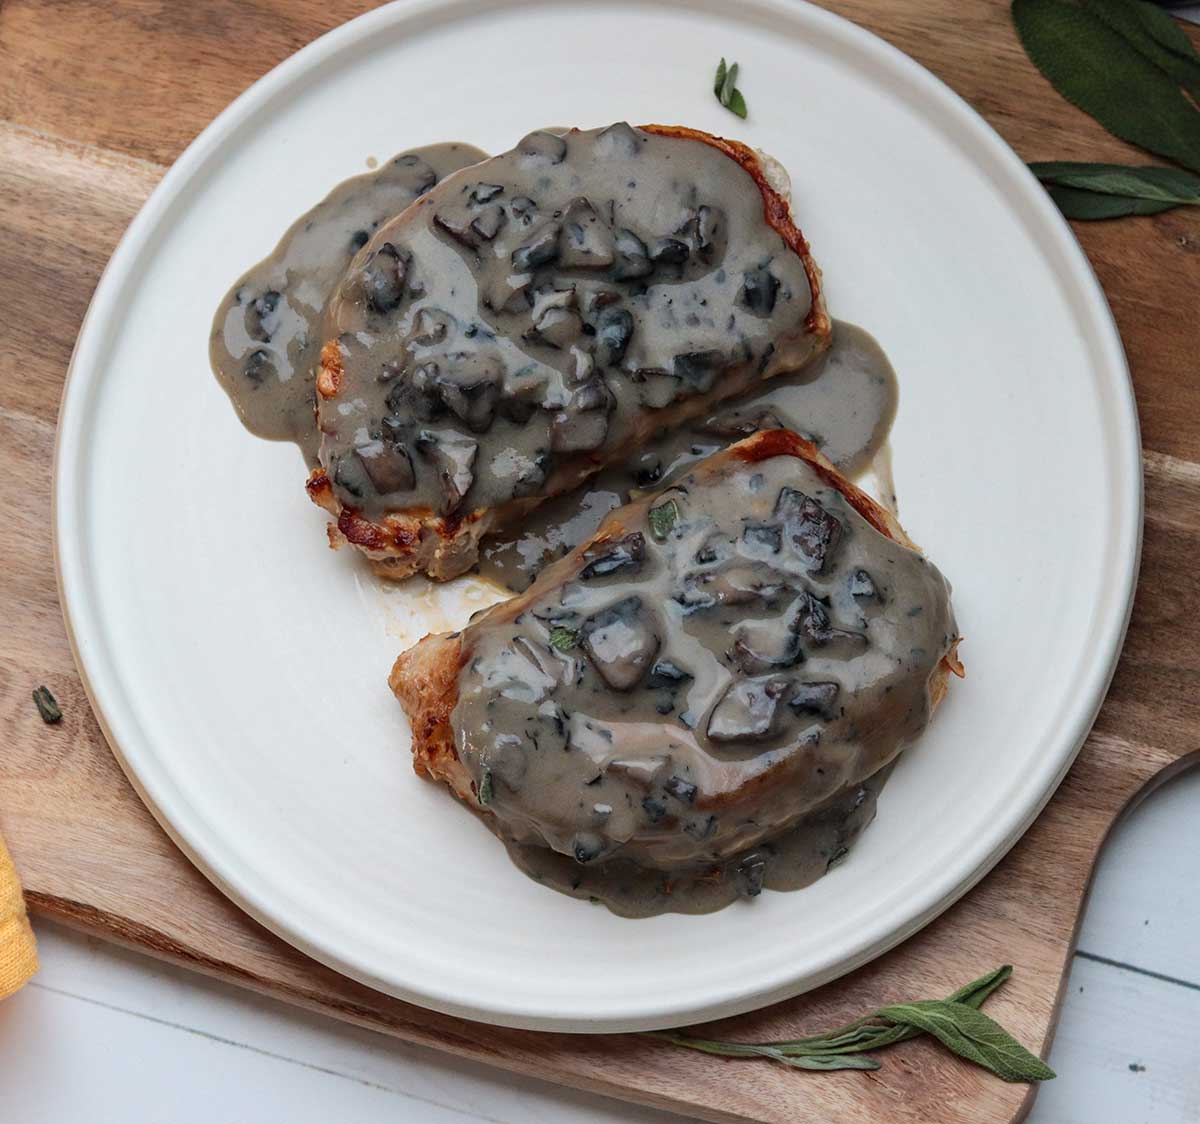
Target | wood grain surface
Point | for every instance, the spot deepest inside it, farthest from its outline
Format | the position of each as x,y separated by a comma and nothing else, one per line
95,100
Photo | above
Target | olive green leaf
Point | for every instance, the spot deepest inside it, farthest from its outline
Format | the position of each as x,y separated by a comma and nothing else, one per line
830,1061
972,1035
1166,185
1097,68
719,83
1153,33
729,85
564,639
1105,191
1090,206
737,104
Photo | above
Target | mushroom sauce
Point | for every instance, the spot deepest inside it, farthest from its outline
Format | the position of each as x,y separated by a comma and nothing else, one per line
702,701
266,336
751,625
524,321
844,402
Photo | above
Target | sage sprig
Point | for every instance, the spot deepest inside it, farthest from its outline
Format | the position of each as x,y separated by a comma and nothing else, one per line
1129,65
955,1021
725,88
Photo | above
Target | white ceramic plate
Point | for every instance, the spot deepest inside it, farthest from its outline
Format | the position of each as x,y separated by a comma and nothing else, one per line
238,666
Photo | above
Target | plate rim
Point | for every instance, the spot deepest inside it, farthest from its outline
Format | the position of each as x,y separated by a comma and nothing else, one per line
84,374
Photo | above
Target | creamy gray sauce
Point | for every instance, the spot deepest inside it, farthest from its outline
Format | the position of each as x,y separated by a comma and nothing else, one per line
844,401
264,349
266,337
791,860
535,311
701,698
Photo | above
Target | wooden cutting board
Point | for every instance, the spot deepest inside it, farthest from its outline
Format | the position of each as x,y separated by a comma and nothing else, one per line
95,100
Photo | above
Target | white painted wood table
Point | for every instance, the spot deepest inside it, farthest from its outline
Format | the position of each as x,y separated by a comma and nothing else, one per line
107,1035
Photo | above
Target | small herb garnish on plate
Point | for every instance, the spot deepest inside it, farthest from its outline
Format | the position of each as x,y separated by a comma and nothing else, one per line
725,88
662,519
47,705
564,639
486,788
955,1021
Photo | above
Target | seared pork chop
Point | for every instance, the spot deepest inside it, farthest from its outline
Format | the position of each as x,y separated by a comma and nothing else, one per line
536,317
727,658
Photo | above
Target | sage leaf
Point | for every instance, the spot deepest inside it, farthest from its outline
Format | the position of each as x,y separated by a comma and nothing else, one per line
730,83
737,104
1153,33
719,83
978,990
1107,191
1164,185
1096,68
47,705
1092,206
972,1035
827,1062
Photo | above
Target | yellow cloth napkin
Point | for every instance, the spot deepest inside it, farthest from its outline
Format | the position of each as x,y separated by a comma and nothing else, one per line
18,952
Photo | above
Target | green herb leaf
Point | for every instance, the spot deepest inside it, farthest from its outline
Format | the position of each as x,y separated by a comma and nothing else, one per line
1108,191
955,1021
978,990
1090,206
831,1061
47,705
737,104
662,519
729,85
564,639
486,788
1095,67
1154,34
1169,185
972,1035
725,88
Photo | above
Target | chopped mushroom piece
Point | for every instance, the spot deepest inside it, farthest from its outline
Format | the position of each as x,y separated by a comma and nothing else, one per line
749,710
810,529
453,454
622,641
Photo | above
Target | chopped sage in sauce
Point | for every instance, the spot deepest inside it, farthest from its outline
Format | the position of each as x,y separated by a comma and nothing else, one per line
486,790
662,519
564,639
